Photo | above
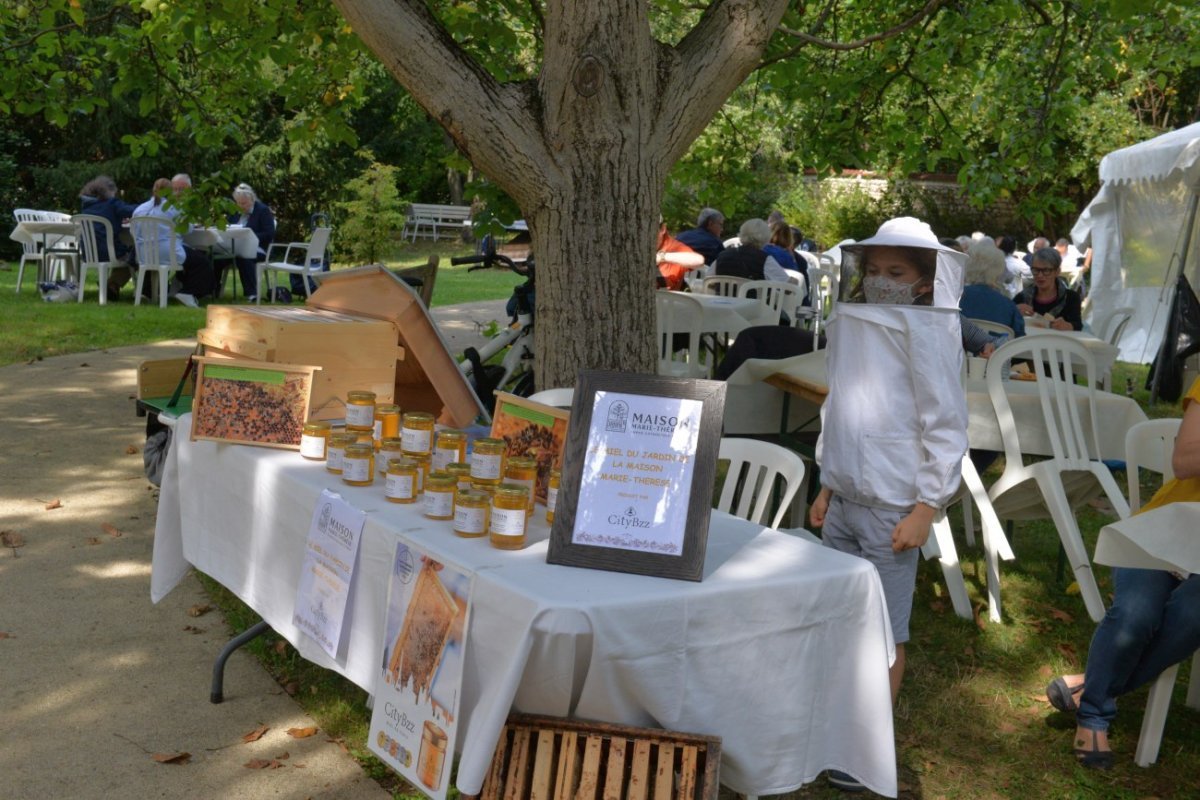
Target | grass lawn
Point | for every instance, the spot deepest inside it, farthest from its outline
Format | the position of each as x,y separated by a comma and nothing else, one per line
972,721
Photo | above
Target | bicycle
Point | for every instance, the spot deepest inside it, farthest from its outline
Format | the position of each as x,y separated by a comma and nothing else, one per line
514,373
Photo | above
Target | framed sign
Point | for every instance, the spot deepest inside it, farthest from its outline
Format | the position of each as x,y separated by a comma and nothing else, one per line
251,402
637,476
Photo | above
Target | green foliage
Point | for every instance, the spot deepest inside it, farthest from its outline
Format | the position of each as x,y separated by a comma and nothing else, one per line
373,218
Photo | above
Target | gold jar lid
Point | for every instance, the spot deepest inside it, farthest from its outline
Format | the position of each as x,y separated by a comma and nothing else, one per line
402,465
360,396
459,468
342,439
512,490
451,435
360,450
523,462
441,480
472,497
317,427
391,443
488,443
387,408
418,416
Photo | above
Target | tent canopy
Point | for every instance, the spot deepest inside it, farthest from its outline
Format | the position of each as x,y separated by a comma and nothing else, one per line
1135,227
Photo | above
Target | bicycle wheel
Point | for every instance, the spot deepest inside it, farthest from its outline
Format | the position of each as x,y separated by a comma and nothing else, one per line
523,386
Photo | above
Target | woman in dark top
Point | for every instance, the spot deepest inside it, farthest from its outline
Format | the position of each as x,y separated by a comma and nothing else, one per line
258,217
99,197
1049,296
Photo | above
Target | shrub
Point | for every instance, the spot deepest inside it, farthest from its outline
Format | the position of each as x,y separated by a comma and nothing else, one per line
367,234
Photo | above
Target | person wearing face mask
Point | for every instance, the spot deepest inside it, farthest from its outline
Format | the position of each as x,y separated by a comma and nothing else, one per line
894,424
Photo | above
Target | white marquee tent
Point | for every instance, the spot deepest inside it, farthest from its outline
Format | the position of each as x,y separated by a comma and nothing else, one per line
1140,226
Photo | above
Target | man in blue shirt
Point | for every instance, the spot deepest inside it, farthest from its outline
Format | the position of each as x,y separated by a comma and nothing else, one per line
705,238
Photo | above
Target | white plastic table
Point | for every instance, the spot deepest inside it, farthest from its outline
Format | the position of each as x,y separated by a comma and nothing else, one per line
236,239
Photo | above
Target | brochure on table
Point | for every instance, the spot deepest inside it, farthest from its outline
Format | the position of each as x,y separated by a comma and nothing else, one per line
330,555
417,691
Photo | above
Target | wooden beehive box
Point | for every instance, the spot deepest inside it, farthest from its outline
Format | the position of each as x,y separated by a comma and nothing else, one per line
366,329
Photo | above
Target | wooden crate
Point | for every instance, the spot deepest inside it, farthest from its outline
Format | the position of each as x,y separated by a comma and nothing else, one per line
550,758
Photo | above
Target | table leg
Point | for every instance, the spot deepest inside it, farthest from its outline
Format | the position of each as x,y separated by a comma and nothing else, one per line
217,695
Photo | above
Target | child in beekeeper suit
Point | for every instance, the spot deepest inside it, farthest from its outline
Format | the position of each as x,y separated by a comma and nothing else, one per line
894,425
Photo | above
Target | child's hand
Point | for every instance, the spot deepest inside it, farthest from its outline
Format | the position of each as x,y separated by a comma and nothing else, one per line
816,512
913,530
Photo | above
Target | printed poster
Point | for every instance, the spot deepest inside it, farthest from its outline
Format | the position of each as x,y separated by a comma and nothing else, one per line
637,472
417,691
328,570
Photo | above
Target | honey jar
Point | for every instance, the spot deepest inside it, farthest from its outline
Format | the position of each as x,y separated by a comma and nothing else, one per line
358,464
438,498
360,411
337,449
314,438
389,448
450,448
552,494
522,471
387,422
423,461
487,461
461,471
506,528
417,432
471,513
401,486
432,756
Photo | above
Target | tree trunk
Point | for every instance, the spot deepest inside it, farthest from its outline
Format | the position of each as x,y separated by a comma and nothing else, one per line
584,151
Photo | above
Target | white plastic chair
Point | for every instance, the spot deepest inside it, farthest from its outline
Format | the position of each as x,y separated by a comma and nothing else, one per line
1111,331
678,314
774,297
724,285
1068,478
151,237
750,482
312,252
994,327
1149,445
30,251
559,398
85,234
823,285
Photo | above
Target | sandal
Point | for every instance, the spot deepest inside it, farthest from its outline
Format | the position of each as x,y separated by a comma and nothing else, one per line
1093,757
1062,696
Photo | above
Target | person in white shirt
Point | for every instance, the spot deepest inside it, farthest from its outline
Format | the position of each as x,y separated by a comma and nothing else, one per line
197,272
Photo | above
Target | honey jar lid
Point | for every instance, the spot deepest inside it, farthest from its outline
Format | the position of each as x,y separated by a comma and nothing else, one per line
402,464
512,490
442,480
391,443
342,439
317,427
387,408
361,395
418,416
523,462
361,449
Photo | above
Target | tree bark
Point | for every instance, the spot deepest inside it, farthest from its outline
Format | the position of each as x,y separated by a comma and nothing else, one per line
584,150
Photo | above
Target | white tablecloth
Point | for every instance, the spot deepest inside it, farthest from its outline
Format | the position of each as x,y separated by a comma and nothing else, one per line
49,233
782,650
242,242
1117,412
727,316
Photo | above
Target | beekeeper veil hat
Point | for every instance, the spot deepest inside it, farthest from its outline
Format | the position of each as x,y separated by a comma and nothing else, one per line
912,232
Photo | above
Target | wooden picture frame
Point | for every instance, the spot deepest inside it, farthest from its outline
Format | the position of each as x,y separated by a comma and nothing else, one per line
251,402
533,429
629,516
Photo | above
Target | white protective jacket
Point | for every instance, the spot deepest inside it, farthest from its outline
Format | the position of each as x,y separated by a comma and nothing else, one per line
894,425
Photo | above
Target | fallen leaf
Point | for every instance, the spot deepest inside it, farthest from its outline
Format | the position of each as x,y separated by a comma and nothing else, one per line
1045,670
302,733
291,688
199,610
284,756
262,763
1068,650
85,364
6,635
1073,589
256,734
193,629
93,540
281,646
1061,615
12,539
1006,727
111,530
172,758
938,606
299,766
53,504
1041,698
132,450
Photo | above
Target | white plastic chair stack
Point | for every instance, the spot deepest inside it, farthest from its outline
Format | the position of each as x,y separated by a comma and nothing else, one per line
1072,475
1149,445
724,285
749,485
678,314
85,234
312,253
154,241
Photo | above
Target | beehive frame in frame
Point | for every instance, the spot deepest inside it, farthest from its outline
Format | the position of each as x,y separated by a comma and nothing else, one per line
251,402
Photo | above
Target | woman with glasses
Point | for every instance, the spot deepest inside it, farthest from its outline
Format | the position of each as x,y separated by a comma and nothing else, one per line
1049,298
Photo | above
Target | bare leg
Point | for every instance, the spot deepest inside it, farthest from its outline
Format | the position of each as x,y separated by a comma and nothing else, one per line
896,673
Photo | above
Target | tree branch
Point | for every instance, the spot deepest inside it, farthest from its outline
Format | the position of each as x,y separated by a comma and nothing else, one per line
111,13
1041,12
807,39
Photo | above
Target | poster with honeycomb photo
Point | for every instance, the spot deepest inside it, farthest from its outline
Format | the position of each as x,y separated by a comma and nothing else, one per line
531,429
251,402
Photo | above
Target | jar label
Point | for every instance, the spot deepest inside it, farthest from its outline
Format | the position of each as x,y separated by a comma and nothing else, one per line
399,487
356,469
485,467
439,504
312,446
378,430
508,521
468,519
333,457
360,416
443,457
415,441
551,498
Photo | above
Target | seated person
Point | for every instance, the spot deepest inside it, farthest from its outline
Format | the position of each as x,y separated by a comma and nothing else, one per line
197,271
705,238
749,260
1151,624
983,296
1049,295
765,341
99,197
675,259
780,248
258,217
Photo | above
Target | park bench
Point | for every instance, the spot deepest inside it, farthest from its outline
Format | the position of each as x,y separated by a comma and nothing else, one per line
427,220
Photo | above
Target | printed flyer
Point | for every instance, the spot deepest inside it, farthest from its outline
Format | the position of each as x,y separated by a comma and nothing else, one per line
328,570
637,473
415,717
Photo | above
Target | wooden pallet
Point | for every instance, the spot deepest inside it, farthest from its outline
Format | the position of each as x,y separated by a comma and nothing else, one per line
550,758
